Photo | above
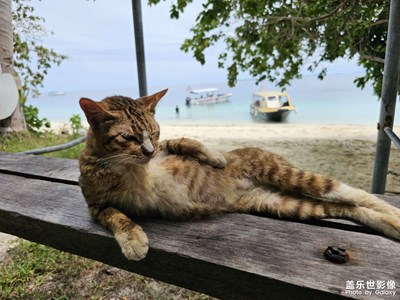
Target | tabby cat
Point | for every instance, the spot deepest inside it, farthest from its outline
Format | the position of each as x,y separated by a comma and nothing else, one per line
126,171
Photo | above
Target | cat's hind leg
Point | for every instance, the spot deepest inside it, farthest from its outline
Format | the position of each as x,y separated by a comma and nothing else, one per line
345,193
327,189
281,205
130,236
271,169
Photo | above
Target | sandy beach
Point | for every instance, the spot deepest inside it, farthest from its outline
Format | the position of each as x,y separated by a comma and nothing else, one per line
345,152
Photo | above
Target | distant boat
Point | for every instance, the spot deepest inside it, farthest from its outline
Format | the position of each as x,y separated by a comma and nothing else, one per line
271,106
36,95
56,93
206,96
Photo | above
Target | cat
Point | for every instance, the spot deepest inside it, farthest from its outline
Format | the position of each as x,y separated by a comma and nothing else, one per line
126,171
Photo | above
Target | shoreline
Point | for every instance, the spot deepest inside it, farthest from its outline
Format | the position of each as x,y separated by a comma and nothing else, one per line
275,131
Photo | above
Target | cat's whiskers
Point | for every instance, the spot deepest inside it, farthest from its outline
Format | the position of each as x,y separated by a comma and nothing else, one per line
110,158
124,159
115,156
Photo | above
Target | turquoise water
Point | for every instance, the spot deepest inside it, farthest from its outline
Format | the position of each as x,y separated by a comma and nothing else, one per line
335,100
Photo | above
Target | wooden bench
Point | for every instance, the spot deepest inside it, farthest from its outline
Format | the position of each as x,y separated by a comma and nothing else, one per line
233,256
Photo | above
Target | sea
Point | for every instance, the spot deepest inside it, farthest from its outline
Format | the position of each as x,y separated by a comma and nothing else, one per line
334,100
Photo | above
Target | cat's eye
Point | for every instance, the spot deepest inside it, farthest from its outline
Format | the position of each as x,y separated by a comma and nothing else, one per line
130,137
155,134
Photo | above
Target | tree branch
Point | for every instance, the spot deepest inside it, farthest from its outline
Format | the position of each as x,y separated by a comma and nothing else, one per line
379,22
308,20
372,58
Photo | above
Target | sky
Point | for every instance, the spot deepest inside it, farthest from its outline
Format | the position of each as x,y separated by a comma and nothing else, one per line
98,38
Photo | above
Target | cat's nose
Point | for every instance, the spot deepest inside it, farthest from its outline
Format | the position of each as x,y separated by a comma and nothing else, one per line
147,153
147,149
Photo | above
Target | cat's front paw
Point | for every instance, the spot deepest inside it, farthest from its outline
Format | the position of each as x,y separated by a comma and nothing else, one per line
213,158
134,243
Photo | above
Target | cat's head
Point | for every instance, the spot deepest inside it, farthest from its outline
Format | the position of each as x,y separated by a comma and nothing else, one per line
123,127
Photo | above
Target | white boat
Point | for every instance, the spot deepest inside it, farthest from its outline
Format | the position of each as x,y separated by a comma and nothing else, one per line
56,93
271,106
206,96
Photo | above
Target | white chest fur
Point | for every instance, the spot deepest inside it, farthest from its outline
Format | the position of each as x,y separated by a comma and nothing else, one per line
149,188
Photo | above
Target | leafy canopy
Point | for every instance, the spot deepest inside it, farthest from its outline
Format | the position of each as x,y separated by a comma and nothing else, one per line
275,40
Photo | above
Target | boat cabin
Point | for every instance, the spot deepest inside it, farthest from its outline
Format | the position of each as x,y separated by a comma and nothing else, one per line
269,99
271,106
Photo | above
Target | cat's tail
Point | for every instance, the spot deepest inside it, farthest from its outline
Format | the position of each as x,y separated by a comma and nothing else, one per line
261,201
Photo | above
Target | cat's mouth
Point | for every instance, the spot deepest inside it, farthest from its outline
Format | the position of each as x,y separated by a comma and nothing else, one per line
144,160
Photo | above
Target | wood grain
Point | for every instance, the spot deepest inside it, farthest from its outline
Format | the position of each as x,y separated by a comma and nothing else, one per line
233,256
49,168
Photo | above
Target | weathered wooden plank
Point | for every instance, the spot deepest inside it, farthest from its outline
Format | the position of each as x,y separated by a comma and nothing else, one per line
49,168
233,256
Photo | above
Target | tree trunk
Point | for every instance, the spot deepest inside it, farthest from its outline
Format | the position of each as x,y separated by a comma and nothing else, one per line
16,122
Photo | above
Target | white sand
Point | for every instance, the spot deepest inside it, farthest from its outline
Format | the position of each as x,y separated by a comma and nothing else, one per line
256,131
345,152
278,131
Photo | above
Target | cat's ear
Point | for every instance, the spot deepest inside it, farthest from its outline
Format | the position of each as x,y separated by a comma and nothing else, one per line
94,111
150,102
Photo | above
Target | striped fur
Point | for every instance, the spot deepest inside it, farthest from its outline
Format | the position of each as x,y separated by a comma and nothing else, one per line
126,171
